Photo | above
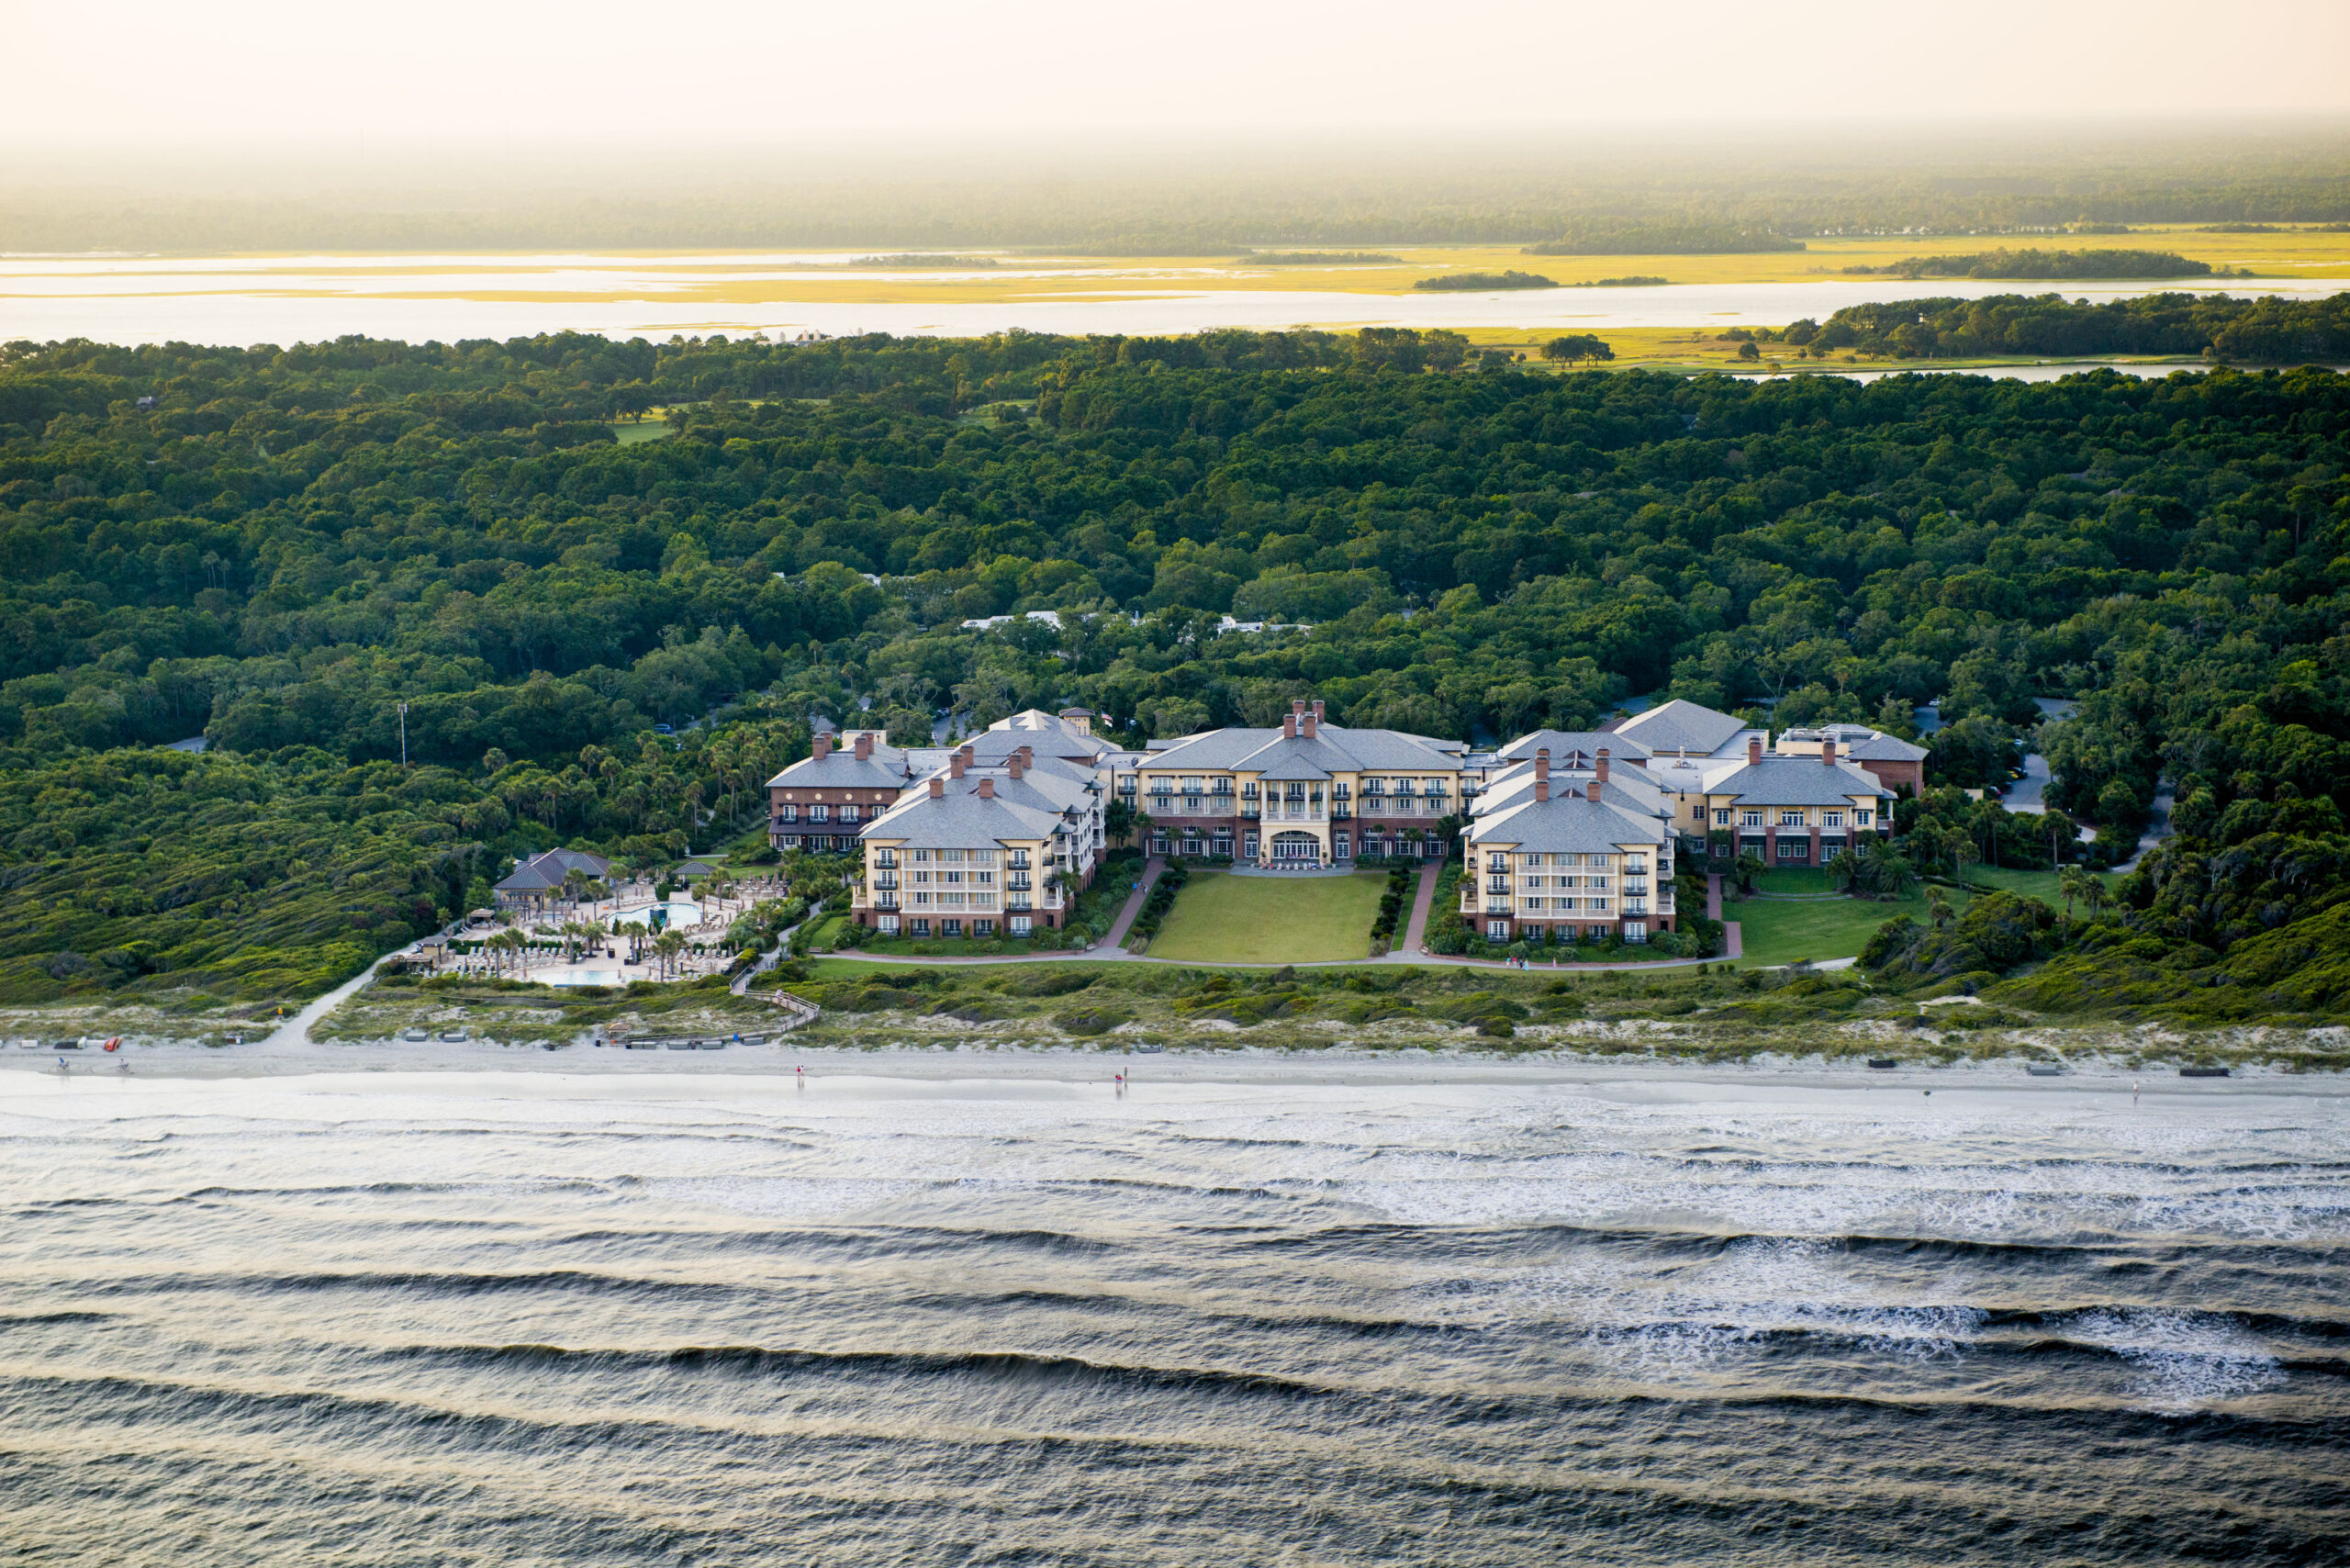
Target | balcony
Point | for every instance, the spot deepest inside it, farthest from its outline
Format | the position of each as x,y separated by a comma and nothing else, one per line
1017,881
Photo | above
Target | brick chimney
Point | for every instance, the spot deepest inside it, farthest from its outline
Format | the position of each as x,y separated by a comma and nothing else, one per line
965,753
823,745
1017,763
938,789
987,788
1828,751
1601,769
1317,710
1027,756
1591,791
864,745
1542,776
1289,727
1310,722
955,766
1755,751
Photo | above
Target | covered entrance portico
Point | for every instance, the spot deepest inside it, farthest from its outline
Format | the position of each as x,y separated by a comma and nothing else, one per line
1291,850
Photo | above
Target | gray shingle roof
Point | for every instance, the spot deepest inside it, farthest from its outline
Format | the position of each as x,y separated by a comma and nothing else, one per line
1626,790
1565,744
961,819
1567,826
1334,749
544,872
885,769
1796,782
1680,725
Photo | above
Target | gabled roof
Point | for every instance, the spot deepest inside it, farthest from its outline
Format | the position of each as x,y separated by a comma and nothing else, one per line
1047,732
546,872
887,769
962,818
1680,725
1796,782
1333,749
1565,824
1626,790
1566,744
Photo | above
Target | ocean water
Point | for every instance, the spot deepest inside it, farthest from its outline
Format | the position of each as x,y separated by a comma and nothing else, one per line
409,1318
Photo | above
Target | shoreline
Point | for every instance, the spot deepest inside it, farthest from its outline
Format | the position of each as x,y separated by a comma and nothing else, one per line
1440,1064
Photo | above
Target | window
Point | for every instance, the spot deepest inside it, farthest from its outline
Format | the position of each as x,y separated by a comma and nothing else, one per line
983,928
1637,866
922,927
1721,816
1020,926
1158,843
888,925
820,813
1636,931
787,813
1832,819
1795,849
1750,819
1497,931
1861,819
950,928
1790,818
1223,846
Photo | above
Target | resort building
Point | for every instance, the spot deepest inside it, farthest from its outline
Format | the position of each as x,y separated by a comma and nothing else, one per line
823,802
548,879
980,852
1790,810
1310,793
1565,864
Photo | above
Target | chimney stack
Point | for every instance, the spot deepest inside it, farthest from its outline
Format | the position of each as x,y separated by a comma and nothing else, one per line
1289,727
1027,756
966,753
863,745
1828,751
1601,769
1755,751
1542,776
1016,764
938,789
1317,710
823,746
987,788
955,766
1311,722
1591,791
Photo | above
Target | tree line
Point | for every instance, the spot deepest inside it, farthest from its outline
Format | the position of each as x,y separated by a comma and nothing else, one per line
291,541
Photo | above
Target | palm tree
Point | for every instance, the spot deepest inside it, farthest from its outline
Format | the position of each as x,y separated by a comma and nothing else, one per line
1747,870
1844,871
2073,883
1938,907
669,943
2095,893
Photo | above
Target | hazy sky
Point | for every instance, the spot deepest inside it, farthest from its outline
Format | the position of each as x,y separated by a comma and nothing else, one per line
315,74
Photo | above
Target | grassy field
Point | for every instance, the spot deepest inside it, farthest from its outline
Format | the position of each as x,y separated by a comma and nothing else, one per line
1222,919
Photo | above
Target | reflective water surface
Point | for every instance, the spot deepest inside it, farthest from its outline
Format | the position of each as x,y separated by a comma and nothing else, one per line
500,1318
244,300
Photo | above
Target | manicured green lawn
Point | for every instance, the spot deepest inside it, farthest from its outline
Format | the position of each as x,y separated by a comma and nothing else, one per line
1222,919
1784,933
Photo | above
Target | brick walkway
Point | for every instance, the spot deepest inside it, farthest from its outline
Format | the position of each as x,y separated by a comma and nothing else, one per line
1733,946
1416,932
1133,910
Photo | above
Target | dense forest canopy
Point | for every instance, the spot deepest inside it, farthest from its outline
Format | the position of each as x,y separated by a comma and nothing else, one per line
1560,193
285,543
